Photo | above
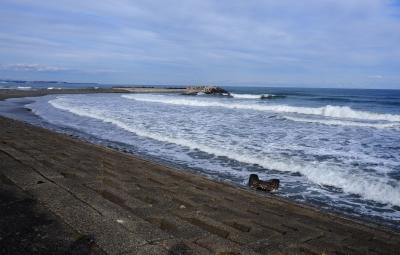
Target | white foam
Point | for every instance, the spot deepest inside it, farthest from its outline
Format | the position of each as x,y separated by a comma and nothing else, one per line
365,185
327,111
343,122
246,96
24,87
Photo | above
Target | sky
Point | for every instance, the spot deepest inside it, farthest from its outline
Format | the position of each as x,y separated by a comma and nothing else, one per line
309,43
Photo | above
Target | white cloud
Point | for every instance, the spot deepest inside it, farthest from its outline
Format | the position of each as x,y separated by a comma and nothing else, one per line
31,67
375,76
53,69
335,40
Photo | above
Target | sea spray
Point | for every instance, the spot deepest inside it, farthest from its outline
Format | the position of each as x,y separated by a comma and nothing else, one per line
365,186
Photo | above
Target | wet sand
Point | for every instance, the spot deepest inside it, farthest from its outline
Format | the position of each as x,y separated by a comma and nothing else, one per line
129,205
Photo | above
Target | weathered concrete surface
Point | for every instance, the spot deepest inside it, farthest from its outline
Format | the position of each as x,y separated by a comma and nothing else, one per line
28,227
132,206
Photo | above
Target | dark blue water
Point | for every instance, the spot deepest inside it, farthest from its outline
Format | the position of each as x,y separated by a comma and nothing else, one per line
385,101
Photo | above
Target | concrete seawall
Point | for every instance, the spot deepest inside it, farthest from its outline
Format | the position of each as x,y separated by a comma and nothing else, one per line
133,206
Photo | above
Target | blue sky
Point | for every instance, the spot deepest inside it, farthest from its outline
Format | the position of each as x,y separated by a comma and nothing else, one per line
316,43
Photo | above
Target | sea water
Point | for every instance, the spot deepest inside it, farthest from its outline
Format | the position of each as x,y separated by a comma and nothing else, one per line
336,149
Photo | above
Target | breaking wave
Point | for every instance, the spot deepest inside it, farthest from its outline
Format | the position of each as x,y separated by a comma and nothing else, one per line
252,96
326,111
344,122
24,88
246,96
364,185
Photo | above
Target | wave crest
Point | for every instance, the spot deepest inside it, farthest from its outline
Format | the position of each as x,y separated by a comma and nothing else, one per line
253,96
326,111
344,123
246,96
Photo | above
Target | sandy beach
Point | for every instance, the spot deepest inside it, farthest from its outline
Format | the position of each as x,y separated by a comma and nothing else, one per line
66,189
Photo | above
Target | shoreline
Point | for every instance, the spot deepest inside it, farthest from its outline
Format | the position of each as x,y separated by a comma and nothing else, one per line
35,92
25,115
271,224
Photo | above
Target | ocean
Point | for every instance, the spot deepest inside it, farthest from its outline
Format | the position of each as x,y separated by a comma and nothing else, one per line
336,149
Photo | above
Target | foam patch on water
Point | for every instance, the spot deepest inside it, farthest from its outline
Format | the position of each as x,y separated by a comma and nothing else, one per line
326,111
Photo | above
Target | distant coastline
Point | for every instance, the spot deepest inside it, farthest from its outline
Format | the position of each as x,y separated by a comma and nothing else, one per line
272,85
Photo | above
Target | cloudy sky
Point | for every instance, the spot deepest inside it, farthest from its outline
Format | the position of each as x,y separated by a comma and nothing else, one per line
318,43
